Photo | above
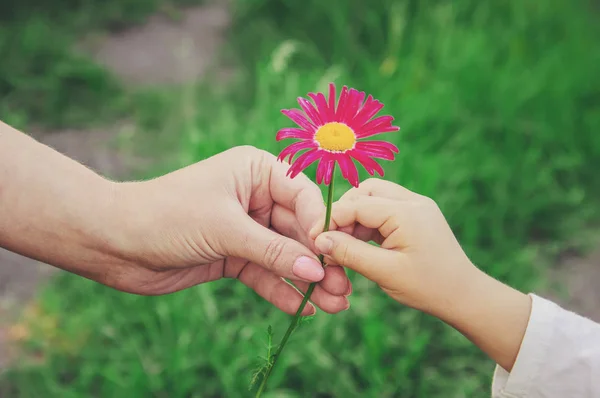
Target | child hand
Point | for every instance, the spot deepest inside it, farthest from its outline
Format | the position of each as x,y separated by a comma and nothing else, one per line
419,263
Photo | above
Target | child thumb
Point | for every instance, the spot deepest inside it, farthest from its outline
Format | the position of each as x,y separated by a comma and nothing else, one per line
368,260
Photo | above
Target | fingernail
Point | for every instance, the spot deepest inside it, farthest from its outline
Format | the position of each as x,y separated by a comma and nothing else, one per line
308,269
349,290
324,244
347,305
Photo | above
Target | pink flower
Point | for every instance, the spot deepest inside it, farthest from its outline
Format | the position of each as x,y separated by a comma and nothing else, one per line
332,135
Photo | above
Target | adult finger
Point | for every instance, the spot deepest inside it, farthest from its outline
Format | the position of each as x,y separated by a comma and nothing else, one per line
298,194
284,221
336,281
328,302
274,289
281,255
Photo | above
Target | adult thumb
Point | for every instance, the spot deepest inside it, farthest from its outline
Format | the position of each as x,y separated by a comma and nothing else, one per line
368,260
284,256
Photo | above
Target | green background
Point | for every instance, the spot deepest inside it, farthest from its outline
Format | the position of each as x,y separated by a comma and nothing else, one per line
499,105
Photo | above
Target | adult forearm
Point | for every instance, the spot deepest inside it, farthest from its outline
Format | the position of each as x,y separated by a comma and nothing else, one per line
52,208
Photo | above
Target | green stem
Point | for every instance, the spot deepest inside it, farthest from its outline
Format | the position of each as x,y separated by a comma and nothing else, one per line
307,295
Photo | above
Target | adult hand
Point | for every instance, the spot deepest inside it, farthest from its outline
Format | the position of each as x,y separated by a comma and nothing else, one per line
235,215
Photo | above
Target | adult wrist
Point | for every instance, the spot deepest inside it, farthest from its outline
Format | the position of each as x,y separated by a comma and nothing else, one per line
124,221
74,228
95,226
138,216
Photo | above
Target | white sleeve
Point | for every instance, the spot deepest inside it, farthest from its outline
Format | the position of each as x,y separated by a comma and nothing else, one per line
559,357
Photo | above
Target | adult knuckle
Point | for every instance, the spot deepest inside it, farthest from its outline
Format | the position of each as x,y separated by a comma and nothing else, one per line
295,199
274,252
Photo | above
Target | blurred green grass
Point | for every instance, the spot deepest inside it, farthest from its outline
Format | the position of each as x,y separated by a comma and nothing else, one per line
45,79
499,104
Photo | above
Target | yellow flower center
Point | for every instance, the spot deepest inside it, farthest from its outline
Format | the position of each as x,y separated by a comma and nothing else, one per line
335,137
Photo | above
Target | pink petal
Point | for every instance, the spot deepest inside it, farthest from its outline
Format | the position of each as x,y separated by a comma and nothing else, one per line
368,110
342,104
376,124
291,150
326,167
322,107
377,151
348,168
380,144
310,110
379,130
369,164
329,171
323,166
292,132
380,125
355,99
303,161
332,98
298,118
